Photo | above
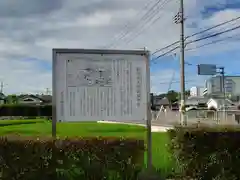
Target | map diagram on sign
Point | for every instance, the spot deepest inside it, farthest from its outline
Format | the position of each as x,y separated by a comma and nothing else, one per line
85,74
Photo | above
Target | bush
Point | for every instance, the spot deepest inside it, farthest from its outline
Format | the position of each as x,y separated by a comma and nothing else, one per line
25,110
90,159
18,122
207,152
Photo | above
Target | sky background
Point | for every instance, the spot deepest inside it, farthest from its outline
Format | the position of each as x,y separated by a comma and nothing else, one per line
29,29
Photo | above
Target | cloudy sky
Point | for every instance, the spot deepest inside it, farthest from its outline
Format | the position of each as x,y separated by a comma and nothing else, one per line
29,29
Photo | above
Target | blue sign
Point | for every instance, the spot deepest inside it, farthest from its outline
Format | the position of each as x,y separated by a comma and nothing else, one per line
207,69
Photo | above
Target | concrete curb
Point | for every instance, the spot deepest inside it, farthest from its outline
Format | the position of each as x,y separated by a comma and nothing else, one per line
154,128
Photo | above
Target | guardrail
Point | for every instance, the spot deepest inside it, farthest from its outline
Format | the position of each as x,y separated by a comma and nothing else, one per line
228,117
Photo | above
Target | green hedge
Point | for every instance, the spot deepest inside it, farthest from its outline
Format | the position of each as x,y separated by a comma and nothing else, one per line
90,159
21,121
207,153
25,110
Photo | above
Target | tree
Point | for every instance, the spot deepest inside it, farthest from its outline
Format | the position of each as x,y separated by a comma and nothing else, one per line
172,96
187,93
12,99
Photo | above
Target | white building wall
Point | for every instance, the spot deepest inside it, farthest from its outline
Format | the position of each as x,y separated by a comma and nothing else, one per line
214,85
193,91
235,85
201,90
196,91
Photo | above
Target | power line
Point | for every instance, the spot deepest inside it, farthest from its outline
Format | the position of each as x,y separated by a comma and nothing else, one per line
208,29
210,43
171,50
145,17
197,33
149,23
173,82
126,26
213,42
142,18
224,28
165,47
200,39
213,35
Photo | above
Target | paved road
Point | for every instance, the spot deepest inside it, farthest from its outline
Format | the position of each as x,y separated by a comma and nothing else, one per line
154,128
154,123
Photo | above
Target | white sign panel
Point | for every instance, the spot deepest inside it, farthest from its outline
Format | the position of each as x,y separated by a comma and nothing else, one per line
92,86
207,69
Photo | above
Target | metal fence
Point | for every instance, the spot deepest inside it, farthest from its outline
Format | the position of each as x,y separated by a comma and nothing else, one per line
207,117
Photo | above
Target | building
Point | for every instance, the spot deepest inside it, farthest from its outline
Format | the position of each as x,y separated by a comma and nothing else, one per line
196,101
205,92
158,102
35,99
215,87
219,103
196,91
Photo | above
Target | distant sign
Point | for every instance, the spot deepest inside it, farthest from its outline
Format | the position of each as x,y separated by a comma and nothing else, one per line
207,69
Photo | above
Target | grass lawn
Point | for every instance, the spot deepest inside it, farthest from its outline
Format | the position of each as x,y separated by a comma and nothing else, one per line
161,157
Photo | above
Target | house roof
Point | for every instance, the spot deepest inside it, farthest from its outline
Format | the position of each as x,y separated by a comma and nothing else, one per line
163,101
198,98
222,101
47,98
44,98
195,100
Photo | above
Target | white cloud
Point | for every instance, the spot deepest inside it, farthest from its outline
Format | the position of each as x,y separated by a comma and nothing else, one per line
24,76
33,29
230,38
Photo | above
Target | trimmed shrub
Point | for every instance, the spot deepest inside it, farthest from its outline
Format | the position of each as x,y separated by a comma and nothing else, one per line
207,152
25,110
91,158
18,122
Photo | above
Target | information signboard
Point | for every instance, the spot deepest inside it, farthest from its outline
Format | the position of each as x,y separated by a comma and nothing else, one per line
92,85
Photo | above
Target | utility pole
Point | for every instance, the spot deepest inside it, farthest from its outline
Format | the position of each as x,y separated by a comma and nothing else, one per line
222,72
1,87
47,91
179,19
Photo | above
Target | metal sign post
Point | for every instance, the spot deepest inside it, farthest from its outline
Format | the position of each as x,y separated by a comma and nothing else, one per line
149,117
223,90
54,101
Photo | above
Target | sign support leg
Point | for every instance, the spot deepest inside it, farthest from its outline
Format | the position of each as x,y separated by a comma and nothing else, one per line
149,140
